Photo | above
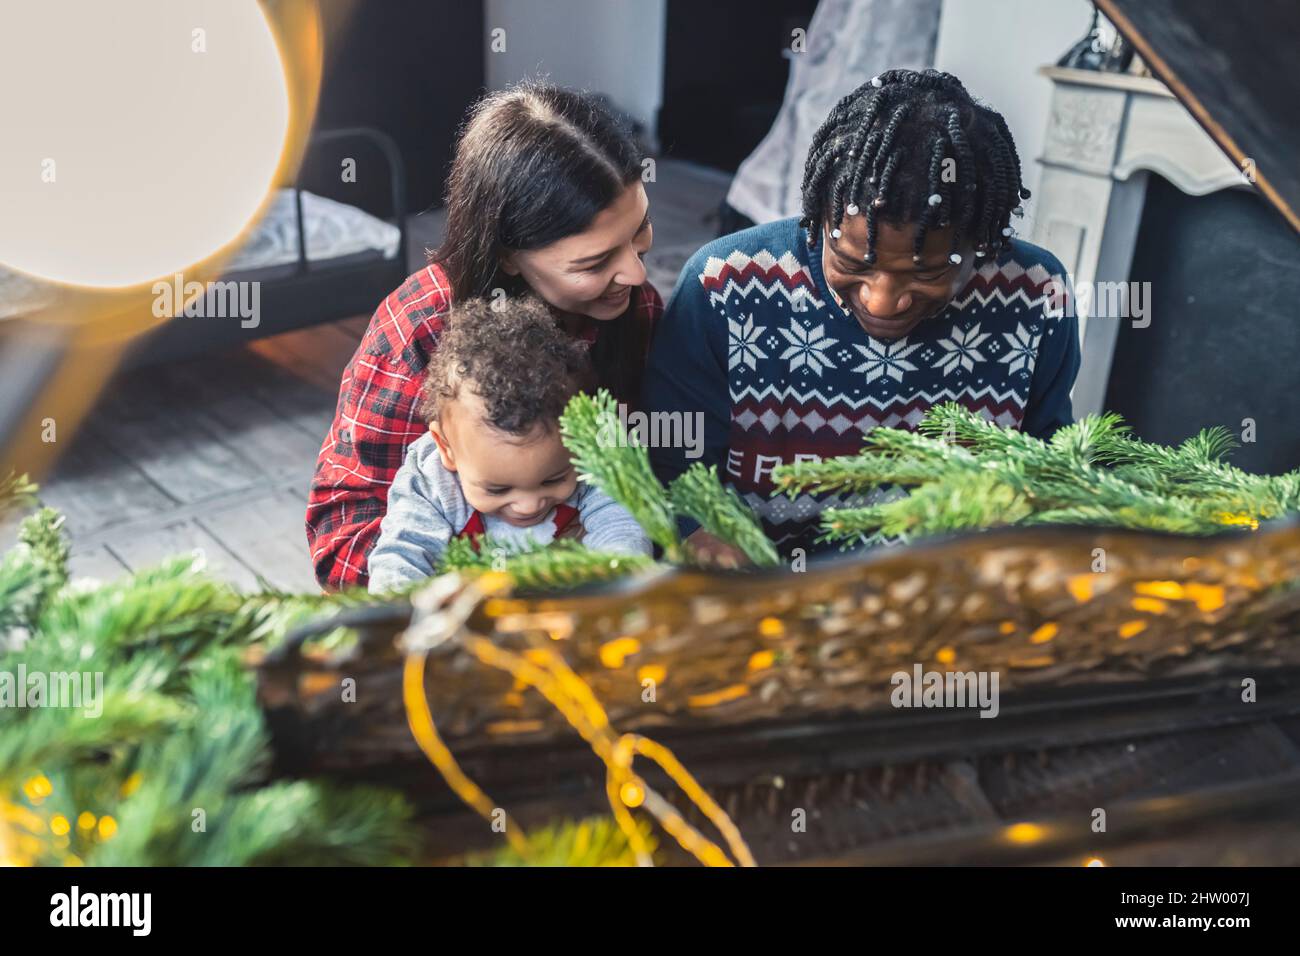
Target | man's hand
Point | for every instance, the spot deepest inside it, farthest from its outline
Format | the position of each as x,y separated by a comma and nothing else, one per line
712,552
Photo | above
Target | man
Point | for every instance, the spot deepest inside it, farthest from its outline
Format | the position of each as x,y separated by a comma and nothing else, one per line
901,287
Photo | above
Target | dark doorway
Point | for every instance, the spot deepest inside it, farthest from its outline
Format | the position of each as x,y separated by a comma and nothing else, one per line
725,70
409,68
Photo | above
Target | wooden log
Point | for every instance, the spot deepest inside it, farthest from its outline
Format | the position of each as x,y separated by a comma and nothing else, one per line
705,655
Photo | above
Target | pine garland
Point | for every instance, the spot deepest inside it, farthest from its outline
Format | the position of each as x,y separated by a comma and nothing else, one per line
16,491
180,730
720,511
596,841
32,571
616,463
560,564
968,473
606,457
170,771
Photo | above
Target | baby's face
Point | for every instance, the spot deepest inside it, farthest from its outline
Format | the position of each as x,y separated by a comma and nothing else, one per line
519,479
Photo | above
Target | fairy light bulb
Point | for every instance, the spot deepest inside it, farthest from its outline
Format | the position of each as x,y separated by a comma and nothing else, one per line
631,794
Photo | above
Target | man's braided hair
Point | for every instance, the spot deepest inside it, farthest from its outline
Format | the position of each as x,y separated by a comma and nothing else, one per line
882,151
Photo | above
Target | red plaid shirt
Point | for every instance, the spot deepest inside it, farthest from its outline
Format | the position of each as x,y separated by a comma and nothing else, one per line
376,419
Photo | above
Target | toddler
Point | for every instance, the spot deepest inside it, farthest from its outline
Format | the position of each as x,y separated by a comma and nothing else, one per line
492,461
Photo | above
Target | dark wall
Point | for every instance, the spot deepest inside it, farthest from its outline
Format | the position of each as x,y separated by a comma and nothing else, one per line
409,68
1241,68
724,75
1224,339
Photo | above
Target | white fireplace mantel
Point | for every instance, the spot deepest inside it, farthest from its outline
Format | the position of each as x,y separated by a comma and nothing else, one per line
1106,134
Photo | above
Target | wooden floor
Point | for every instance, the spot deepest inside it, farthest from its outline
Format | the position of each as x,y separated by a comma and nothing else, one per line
215,455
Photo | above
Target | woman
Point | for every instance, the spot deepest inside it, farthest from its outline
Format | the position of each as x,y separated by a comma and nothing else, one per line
545,196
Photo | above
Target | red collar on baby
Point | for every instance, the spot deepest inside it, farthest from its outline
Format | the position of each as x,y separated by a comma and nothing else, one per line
565,518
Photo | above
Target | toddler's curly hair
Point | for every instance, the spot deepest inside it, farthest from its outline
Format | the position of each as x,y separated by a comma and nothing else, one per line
511,354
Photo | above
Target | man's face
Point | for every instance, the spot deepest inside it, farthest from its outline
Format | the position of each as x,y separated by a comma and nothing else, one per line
895,295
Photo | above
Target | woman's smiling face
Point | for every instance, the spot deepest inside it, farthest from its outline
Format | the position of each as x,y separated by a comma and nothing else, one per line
593,272
894,295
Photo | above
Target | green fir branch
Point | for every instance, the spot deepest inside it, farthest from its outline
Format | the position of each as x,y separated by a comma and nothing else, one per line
558,565
595,841
699,494
177,712
935,508
31,573
970,473
16,492
606,456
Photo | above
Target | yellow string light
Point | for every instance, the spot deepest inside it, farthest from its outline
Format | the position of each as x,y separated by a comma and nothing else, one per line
1024,833
420,720
548,674
1239,518
1044,633
632,795
697,795
15,846
1132,628
724,695
131,784
587,721
614,653
38,788
1081,586
1208,597
583,714
1150,604
651,672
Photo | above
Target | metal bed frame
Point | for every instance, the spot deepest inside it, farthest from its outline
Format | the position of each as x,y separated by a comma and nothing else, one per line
302,293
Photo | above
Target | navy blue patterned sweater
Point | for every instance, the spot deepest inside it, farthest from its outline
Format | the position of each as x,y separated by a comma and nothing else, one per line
754,341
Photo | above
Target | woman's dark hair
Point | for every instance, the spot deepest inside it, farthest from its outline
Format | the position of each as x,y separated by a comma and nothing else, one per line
534,164
884,149
513,356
